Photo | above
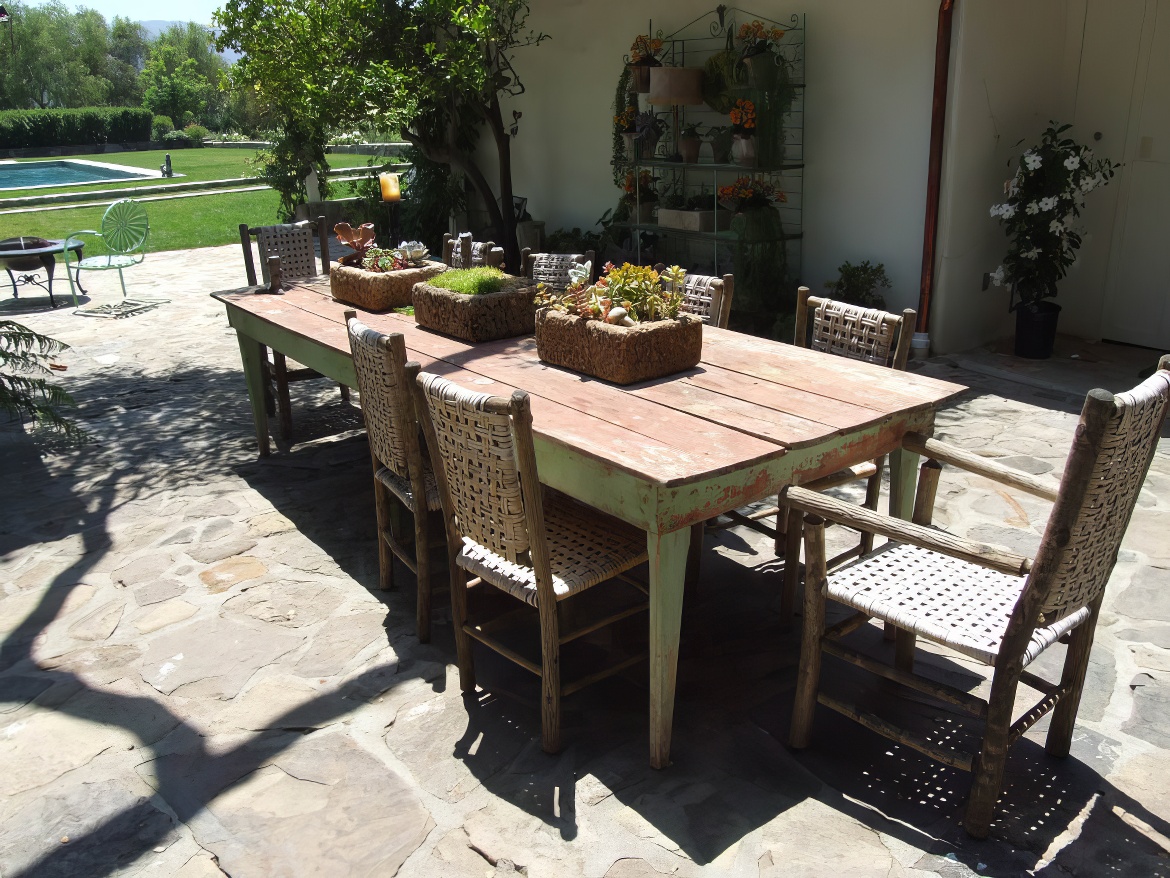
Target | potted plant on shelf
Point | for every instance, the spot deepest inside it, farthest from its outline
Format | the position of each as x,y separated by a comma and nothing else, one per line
377,279
1045,196
476,304
762,288
649,127
689,142
627,327
743,130
720,138
624,124
641,197
748,193
758,53
643,56
697,213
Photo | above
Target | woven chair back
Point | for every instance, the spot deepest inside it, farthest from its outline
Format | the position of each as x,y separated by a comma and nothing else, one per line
1110,491
476,448
698,292
553,268
845,330
387,404
293,244
462,252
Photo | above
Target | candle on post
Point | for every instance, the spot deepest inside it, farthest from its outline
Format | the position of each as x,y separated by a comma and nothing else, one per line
391,195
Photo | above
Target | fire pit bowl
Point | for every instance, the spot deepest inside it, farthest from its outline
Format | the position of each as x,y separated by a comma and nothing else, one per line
11,247
29,254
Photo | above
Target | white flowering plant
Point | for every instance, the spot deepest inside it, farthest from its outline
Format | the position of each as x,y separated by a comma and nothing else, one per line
1043,198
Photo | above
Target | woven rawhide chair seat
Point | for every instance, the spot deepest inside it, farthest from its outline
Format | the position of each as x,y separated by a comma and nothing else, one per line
401,487
960,605
585,548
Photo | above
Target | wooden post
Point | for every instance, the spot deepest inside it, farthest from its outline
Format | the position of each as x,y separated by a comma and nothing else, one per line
809,673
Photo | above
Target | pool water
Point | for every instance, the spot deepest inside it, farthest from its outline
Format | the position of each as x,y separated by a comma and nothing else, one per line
61,172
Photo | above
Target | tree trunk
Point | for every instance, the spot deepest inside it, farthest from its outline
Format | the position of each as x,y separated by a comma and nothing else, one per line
503,139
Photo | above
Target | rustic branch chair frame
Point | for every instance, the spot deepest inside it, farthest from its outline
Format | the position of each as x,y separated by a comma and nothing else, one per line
553,268
1058,600
402,473
486,458
293,244
462,252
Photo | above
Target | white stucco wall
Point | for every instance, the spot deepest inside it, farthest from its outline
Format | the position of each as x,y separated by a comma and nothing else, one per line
1016,66
870,75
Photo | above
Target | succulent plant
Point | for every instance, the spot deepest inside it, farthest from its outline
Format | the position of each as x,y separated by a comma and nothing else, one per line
413,252
625,296
360,240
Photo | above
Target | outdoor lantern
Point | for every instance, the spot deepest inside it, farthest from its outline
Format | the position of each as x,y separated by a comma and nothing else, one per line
390,189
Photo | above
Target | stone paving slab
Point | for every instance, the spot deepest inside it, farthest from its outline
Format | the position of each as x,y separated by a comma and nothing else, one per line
198,676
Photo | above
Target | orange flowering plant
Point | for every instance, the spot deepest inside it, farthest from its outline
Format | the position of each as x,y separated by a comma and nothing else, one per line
644,50
755,38
743,117
746,192
641,184
624,121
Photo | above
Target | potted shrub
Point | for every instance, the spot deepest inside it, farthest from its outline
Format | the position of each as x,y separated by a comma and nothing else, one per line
375,279
859,284
625,328
1044,198
642,57
476,304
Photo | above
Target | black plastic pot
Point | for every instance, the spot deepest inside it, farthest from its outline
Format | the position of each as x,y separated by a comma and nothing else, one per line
1036,330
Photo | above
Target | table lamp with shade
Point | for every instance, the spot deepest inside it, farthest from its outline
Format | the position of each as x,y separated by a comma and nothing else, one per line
676,87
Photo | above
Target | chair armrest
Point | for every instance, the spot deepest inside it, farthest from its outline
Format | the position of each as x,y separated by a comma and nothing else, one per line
906,532
73,235
979,465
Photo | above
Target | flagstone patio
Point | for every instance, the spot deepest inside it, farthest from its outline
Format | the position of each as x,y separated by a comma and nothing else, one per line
198,676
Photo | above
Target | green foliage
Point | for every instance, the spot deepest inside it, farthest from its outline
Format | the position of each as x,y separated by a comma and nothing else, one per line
859,284
178,139
20,129
624,296
161,126
25,360
295,152
574,240
196,134
173,84
471,281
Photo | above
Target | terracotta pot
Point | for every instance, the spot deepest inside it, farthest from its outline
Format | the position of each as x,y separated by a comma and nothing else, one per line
762,70
688,147
640,78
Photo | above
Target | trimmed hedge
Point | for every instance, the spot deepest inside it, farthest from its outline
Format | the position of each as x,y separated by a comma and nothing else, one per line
21,129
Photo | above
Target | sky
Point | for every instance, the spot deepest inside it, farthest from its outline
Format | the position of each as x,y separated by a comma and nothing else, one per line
147,10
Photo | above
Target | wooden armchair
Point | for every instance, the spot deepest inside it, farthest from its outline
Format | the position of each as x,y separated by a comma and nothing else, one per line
402,472
553,268
707,296
536,545
462,252
294,245
992,605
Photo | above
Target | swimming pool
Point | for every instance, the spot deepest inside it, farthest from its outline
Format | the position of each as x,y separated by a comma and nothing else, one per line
66,172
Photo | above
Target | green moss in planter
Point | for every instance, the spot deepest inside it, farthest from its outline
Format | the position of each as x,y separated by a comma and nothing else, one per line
471,281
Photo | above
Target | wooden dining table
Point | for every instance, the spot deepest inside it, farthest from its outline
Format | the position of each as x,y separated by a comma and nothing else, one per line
665,455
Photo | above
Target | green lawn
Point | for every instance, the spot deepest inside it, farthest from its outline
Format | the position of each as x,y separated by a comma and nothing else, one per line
175,224
194,164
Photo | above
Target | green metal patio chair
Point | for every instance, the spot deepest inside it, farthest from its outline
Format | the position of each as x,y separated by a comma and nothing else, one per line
125,229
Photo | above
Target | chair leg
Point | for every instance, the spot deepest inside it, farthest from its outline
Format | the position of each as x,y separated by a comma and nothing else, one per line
1076,666
904,650
792,522
422,564
781,541
344,392
989,766
550,678
266,369
383,514
459,618
873,494
280,368
122,281
809,673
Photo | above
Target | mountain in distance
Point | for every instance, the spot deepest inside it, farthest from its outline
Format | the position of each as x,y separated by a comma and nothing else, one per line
154,27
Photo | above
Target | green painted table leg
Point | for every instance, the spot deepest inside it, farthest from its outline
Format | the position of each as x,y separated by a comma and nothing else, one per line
250,353
668,565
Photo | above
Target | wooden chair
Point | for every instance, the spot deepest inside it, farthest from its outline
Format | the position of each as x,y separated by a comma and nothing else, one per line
402,472
992,605
295,247
536,545
553,268
462,252
707,296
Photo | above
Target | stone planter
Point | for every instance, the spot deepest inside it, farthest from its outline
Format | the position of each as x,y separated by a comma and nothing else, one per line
623,355
378,291
505,314
694,220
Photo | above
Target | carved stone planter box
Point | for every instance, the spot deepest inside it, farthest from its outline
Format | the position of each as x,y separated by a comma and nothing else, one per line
694,220
621,354
374,291
485,317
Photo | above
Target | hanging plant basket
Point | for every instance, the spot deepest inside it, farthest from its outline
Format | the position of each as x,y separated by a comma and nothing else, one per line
620,354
